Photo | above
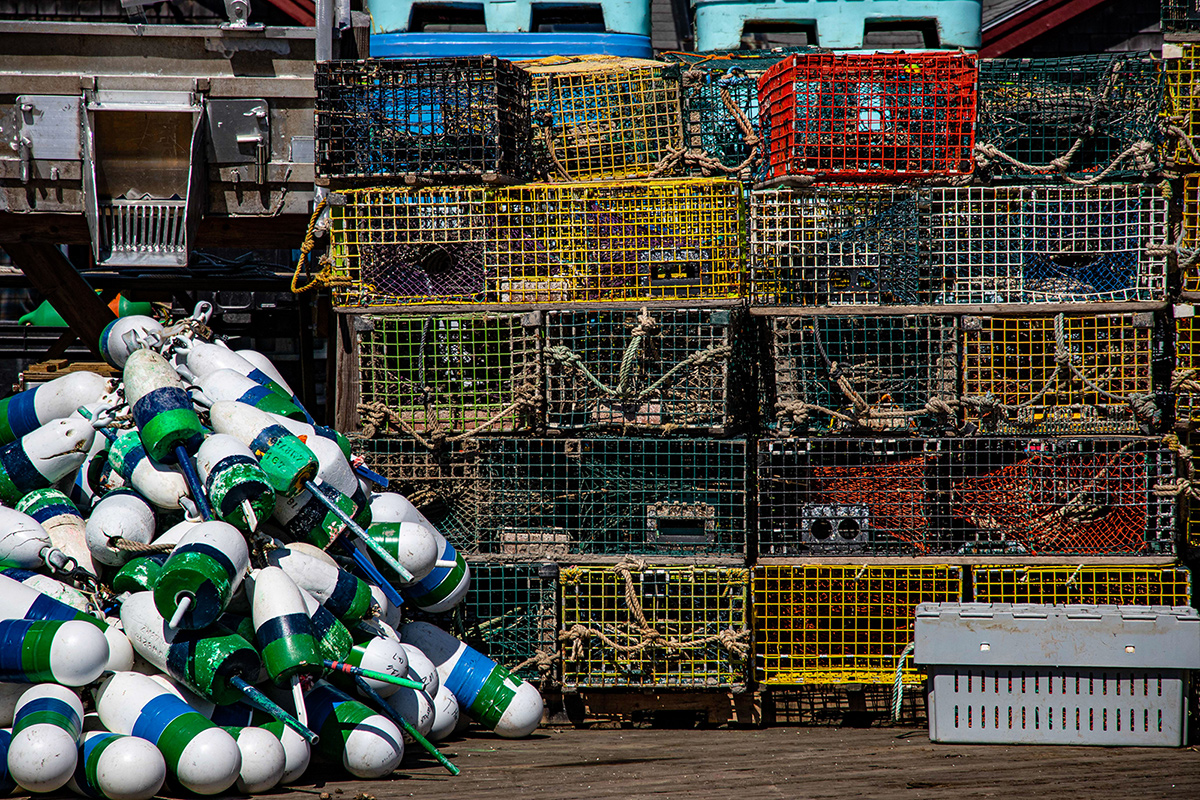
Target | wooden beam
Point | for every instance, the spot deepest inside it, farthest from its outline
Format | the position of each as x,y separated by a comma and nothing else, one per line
51,274
1039,24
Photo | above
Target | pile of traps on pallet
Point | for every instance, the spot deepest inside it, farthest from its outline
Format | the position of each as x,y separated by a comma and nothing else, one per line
203,588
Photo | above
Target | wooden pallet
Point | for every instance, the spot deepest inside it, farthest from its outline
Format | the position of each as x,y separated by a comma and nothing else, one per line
626,707
44,371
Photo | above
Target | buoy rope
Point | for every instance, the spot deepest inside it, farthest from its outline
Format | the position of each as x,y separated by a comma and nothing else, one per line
326,276
698,158
898,681
132,546
374,415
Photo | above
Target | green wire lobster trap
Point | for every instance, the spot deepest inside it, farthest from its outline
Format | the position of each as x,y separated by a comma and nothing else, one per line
1089,117
665,369
655,626
437,375
857,374
613,496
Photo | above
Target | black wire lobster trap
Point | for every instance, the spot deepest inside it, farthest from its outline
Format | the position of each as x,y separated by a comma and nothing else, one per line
664,369
1086,118
859,374
1180,15
449,118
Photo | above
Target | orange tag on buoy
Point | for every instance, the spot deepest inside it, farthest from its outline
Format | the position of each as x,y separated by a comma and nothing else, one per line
303,437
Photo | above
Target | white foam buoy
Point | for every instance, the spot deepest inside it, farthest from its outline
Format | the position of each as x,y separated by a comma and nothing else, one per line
346,596
124,335
415,707
120,514
231,385
69,652
368,745
43,457
237,487
205,569
421,668
297,751
445,715
22,601
113,766
47,724
27,411
162,485
444,586
380,655
63,593
263,759
62,522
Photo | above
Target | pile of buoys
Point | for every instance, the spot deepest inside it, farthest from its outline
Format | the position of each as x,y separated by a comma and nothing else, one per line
200,586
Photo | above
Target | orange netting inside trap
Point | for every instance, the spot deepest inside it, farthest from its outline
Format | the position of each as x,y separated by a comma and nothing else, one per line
893,492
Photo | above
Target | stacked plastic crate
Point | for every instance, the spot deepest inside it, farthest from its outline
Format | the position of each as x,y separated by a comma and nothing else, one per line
962,267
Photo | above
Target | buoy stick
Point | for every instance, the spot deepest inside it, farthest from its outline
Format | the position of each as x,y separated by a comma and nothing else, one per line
364,563
364,471
354,528
350,669
274,709
193,482
445,564
251,517
298,698
403,723
180,610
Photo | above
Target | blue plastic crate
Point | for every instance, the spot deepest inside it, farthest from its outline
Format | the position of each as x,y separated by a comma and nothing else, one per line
512,46
516,16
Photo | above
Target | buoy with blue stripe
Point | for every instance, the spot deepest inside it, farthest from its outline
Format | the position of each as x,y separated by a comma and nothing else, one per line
413,544
165,417
43,457
57,590
306,431
228,384
22,601
445,715
62,522
113,766
120,517
382,662
203,571
283,631
422,669
45,738
333,638
197,359
492,695
237,487
25,412
366,743
345,596
139,574
219,666
69,652
161,484
296,750
263,759
7,784
202,757
447,584
124,335
269,372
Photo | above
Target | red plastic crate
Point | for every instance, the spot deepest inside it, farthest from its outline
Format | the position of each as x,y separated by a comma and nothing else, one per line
868,116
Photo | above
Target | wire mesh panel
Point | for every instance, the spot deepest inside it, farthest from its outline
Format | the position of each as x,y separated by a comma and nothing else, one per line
840,247
449,374
1048,244
1080,116
1180,15
639,625
1047,496
1066,374
1181,65
444,485
510,615
866,116
842,624
602,117
614,495
1185,380
1190,243
665,369
674,239
1123,585
439,118
860,374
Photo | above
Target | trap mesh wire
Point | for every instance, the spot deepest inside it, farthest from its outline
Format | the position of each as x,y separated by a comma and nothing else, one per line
665,368
1122,585
1080,116
695,634
877,372
510,614
1181,66
440,118
611,241
1064,374
868,116
1184,379
614,496
452,373
842,624
1180,15
599,117
1190,242
840,247
443,485
1046,244
406,246
964,497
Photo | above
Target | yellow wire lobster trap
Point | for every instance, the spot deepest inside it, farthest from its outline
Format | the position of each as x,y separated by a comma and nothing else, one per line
842,623
598,117
1185,380
1181,63
1189,243
654,626
1063,374
1123,585
539,243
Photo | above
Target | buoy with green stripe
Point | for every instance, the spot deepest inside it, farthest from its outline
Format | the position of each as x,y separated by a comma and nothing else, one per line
120,522
296,751
228,384
492,695
447,583
283,631
124,335
238,489
197,359
24,542
219,666
162,485
305,431
25,412
268,371
47,725
378,655
263,759
345,596
62,522
139,574
22,601
367,744
333,638
68,595
165,417
202,757
113,766
197,581
43,457
70,652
